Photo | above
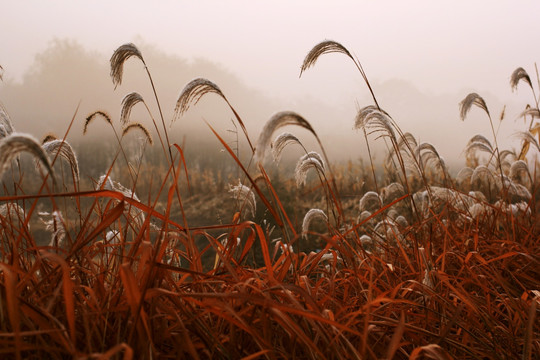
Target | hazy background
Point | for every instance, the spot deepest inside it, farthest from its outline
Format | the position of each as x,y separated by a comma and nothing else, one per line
422,58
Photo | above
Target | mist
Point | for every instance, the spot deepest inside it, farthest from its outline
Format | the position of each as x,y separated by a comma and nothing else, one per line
67,82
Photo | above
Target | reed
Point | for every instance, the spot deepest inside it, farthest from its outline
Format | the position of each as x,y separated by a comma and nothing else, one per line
416,264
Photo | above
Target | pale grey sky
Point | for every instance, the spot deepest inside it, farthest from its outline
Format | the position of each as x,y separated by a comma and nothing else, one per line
440,45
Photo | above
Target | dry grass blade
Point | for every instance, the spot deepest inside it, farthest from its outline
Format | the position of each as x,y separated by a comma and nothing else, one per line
16,143
280,142
93,115
118,58
470,100
9,284
140,127
324,47
65,151
311,215
128,102
277,121
517,75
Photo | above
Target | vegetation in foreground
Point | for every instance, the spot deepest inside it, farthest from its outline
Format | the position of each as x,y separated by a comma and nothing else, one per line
421,265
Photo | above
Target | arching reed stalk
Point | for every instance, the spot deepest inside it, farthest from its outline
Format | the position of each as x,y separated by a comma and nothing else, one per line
476,100
330,46
105,116
311,215
311,160
194,91
122,54
245,196
65,151
14,144
128,102
285,118
138,126
280,142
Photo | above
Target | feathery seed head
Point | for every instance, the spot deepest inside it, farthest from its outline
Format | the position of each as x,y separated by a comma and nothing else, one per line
16,143
48,137
309,217
277,121
192,93
127,104
470,100
370,201
65,151
5,121
118,58
280,142
93,115
140,127
244,195
517,75
306,162
324,47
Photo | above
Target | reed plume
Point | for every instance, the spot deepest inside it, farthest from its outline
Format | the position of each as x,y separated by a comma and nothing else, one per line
192,93
280,142
527,138
533,112
311,215
63,149
517,75
48,137
5,121
57,226
138,126
128,102
470,100
370,201
93,115
277,121
244,195
118,58
324,47
311,160
16,143
371,117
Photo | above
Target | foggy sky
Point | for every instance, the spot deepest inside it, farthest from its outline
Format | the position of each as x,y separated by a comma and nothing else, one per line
442,49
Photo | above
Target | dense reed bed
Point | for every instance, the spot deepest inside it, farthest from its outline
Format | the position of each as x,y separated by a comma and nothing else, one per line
420,264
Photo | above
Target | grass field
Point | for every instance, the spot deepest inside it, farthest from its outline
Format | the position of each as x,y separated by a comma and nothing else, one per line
398,259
